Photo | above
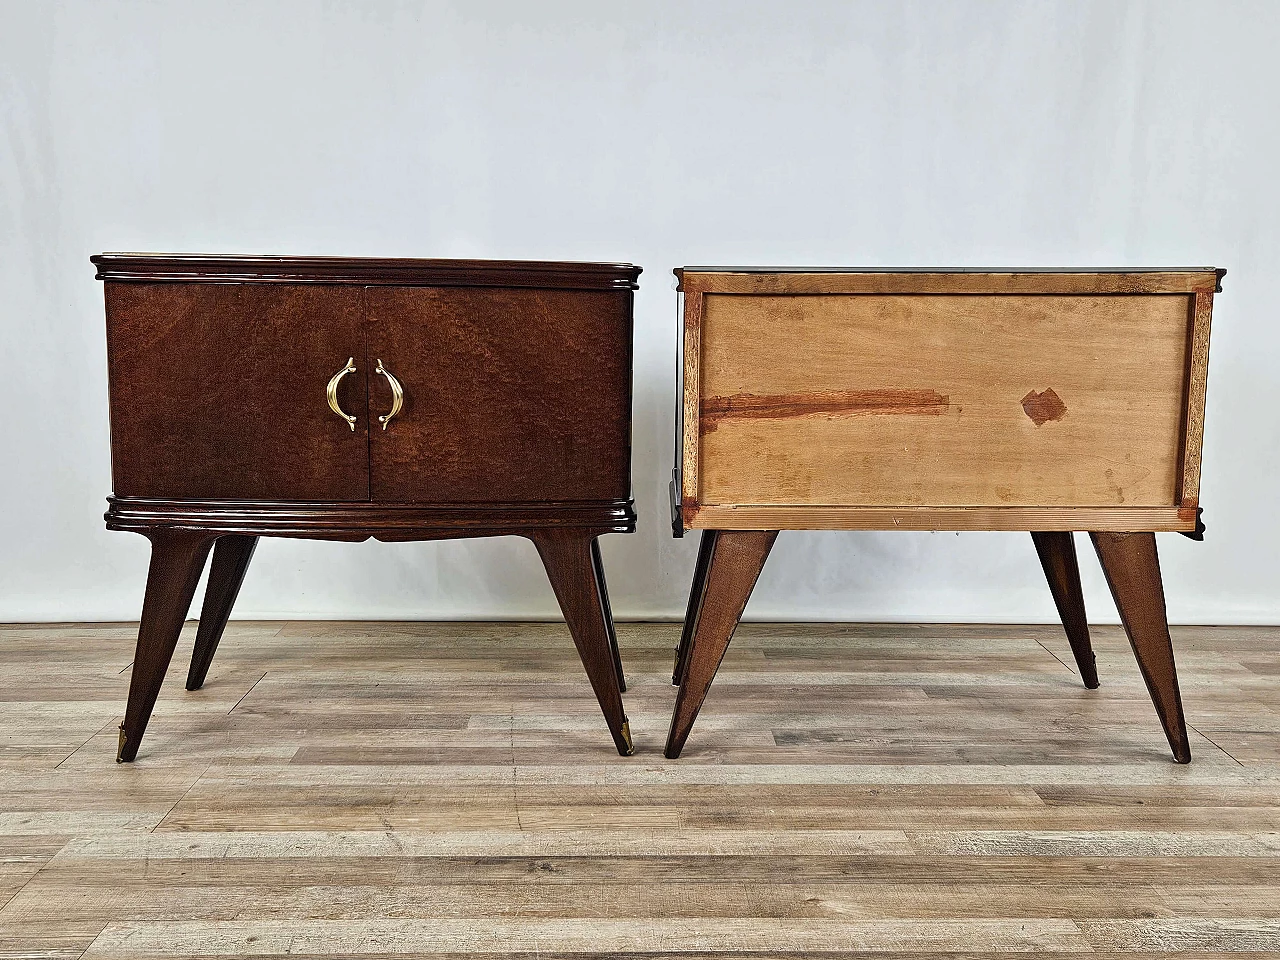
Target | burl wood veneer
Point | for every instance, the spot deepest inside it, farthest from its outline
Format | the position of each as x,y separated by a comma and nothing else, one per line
1042,400
345,399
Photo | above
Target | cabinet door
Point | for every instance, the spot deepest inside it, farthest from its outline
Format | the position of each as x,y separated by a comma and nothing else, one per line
218,391
510,395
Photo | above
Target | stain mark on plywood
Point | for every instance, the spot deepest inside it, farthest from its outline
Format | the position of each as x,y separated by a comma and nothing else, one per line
751,406
1044,406
1115,487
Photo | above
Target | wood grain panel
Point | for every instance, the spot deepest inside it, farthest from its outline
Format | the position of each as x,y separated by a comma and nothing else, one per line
1015,401
399,788
1197,384
691,408
215,394
511,395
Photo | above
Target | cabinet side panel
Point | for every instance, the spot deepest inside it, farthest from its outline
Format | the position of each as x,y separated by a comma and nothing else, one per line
942,400
690,354
1197,377
218,391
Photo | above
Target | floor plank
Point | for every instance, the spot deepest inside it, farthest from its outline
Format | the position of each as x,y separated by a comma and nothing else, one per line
436,789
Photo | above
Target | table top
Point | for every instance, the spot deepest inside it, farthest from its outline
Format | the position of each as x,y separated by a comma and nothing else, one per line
242,268
984,280
691,269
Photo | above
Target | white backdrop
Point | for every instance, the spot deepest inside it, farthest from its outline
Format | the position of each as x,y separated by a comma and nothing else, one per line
939,133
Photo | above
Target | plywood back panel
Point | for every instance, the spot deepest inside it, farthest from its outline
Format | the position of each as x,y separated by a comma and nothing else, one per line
948,400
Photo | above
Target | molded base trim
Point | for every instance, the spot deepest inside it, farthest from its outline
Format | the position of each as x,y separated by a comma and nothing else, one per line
361,521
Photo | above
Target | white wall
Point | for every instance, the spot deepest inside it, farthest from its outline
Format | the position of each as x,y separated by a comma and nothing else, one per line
940,133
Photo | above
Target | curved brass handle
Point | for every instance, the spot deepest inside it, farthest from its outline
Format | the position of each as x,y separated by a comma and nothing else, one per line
397,395
331,392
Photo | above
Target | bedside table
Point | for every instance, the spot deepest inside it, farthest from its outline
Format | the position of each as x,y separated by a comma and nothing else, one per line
1041,400
343,399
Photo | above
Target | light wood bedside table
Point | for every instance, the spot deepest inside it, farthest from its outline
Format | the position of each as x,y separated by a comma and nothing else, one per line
1006,399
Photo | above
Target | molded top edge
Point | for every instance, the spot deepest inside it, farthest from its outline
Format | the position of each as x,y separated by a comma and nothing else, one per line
241,268
1219,272
998,270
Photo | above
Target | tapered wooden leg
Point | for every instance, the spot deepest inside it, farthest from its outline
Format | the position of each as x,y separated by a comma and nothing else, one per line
177,560
1132,567
1058,557
696,592
231,556
737,557
598,565
571,567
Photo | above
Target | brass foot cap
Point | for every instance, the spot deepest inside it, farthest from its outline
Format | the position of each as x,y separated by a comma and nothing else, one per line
626,737
120,745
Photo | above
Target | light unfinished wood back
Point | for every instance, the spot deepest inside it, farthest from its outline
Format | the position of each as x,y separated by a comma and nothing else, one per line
946,400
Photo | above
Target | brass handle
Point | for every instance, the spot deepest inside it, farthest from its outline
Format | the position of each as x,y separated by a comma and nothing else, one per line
397,395
331,392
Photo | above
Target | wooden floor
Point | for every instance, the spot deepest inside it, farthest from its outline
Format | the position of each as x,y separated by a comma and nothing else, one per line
393,789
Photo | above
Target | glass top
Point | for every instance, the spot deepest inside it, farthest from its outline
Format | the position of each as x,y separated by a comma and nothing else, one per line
758,269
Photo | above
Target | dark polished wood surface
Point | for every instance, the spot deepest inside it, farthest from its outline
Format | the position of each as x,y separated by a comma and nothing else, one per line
511,395
1132,568
177,560
706,545
735,560
730,562
574,572
364,271
364,521
1057,552
516,421
217,391
231,556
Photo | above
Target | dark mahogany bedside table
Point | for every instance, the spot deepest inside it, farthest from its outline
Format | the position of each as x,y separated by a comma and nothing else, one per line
343,399
1040,400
